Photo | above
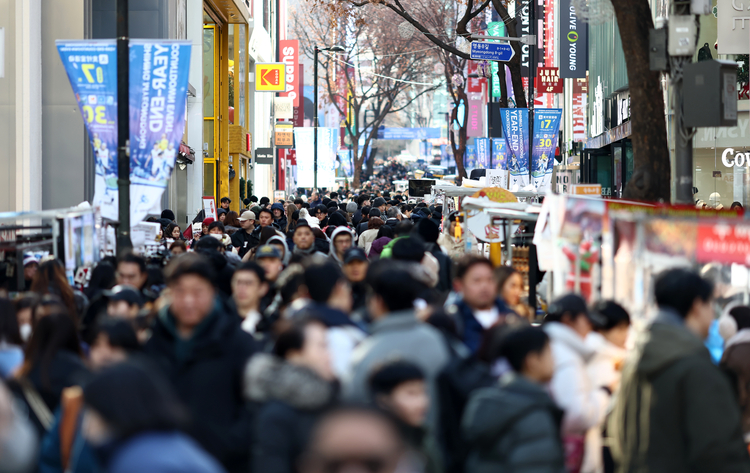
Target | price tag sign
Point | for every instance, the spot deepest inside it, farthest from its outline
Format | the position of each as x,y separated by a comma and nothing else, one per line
497,178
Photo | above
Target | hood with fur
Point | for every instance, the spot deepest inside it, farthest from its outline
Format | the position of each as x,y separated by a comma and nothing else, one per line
269,378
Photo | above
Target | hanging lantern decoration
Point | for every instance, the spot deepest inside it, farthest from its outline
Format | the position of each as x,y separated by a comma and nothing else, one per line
457,80
483,69
406,30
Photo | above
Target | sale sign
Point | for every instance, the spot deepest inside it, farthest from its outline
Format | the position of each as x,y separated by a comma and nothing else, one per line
270,77
290,57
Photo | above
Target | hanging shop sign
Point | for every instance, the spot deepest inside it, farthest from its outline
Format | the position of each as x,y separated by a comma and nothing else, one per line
548,81
290,57
264,156
283,108
574,42
284,135
270,77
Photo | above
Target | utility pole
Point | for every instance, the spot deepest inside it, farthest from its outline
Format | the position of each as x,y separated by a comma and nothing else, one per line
124,244
315,122
683,142
532,77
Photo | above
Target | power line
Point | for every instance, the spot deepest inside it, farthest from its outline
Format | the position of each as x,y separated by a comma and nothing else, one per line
431,84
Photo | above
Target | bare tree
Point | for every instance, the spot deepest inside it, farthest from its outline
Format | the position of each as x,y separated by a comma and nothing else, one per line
377,69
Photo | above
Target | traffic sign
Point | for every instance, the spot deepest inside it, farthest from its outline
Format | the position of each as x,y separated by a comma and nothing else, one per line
491,51
270,77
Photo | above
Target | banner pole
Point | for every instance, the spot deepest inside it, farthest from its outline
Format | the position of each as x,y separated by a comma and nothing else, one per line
124,244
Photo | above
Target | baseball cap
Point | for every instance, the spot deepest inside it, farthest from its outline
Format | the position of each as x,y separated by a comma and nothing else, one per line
247,215
574,304
208,221
354,254
268,251
125,293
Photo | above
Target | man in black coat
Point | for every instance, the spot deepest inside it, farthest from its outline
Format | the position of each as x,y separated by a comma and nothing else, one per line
245,239
203,352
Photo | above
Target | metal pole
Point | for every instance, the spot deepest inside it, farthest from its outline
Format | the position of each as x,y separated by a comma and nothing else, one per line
683,147
315,123
124,243
532,76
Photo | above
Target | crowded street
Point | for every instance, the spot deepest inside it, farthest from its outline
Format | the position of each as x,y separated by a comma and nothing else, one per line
374,236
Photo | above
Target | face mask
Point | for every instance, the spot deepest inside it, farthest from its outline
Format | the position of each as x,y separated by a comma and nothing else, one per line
25,330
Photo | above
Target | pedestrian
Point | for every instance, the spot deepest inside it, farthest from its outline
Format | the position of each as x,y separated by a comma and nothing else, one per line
203,352
124,302
584,400
429,232
396,332
30,268
479,307
373,225
515,425
290,209
455,244
133,419
365,216
355,269
51,279
131,271
25,307
249,285
245,239
735,329
270,258
279,217
341,240
385,235
399,388
304,240
11,343
172,233
293,387
232,223
675,410
355,439
177,248
510,287
225,201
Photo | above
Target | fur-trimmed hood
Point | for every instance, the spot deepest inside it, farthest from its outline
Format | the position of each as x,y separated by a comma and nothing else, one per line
269,378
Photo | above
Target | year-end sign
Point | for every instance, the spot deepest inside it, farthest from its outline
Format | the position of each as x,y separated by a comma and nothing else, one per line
491,51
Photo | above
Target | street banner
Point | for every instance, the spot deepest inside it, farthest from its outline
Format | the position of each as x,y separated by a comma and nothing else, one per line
546,128
470,158
500,161
574,42
290,57
92,69
344,165
445,157
304,139
495,28
483,153
516,130
158,100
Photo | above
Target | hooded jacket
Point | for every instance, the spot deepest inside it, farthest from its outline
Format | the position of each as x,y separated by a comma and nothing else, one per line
376,249
675,410
736,363
291,398
343,335
287,253
513,427
207,372
282,222
332,250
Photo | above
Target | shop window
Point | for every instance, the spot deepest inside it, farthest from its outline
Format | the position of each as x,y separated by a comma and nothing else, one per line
629,163
604,173
209,51
209,178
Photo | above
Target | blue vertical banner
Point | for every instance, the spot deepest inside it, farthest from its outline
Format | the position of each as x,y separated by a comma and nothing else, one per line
483,153
470,158
445,157
344,166
92,69
500,158
516,131
546,128
158,100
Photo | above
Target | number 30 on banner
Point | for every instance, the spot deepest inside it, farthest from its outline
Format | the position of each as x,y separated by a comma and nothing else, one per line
545,143
95,113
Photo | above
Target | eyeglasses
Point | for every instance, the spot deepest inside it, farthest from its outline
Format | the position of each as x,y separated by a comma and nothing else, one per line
372,464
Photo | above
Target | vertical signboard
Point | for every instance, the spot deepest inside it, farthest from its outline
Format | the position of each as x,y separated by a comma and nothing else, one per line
475,125
574,42
580,94
483,153
495,28
523,28
516,130
546,128
290,57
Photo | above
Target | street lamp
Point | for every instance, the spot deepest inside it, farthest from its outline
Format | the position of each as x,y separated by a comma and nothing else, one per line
333,49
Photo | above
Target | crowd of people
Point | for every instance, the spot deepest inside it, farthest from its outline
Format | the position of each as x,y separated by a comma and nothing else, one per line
356,333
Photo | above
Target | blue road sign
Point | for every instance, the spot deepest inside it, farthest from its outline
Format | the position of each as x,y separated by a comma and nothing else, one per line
491,51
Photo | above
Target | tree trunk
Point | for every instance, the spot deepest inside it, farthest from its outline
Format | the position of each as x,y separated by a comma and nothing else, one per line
514,65
503,86
651,180
356,163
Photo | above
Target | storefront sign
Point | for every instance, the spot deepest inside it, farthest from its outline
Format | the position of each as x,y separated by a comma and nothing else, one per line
516,131
283,108
729,159
623,107
574,41
597,118
586,189
290,57
546,128
523,28
722,243
733,26
264,156
284,135
548,81
475,124
270,77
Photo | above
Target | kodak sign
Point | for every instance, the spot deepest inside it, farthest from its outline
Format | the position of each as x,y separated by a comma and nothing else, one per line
270,77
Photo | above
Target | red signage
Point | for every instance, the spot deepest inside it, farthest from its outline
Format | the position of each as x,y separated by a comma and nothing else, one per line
548,80
290,57
723,243
299,111
474,84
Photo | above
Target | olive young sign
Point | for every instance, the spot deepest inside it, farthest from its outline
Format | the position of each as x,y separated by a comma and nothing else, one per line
573,43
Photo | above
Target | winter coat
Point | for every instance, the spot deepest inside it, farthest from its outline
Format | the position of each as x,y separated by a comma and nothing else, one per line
376,249
161,452
244,241
11,358
513,427
366,239
291,399
343,335
207,372
82,458
282,241
469,328
445,281
456,248
398,335
603,369
736,363
675,411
